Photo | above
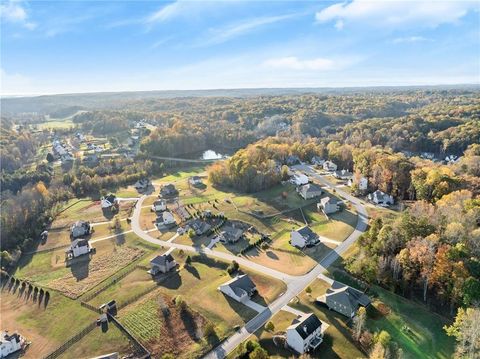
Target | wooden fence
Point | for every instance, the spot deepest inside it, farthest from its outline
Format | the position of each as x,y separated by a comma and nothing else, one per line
62,348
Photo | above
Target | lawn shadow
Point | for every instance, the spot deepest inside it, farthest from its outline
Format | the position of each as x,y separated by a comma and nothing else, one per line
242,310
271,255
80,268
173,281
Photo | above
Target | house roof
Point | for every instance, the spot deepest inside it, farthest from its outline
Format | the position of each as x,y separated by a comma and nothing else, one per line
242,281
381,196
349,297
310,188
328,200
307,233
195,178
232,233
80,242
162,259
306,325
110,198
199,225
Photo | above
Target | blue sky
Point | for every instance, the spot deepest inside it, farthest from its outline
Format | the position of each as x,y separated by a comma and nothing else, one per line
69,46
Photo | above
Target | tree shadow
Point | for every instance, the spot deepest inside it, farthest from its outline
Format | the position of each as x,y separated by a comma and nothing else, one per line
271,255
192,270
189,323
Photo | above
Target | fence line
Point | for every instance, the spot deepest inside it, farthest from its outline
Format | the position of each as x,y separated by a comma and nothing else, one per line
62,348
140,350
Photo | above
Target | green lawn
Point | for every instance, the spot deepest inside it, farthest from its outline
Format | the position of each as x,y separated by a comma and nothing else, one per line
424,337
56,124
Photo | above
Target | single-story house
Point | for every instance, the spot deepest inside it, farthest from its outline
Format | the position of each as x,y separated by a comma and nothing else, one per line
162,264
109,201
241,288
168,190
10,343
329,205
299,179
329,166
230,234
159,205
200,227
381,198
78,247
344,299
305,333
303,237
309,190
343,174
142,184
165,218
195,180
80,229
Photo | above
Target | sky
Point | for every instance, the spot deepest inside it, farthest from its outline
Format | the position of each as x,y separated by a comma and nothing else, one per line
91,46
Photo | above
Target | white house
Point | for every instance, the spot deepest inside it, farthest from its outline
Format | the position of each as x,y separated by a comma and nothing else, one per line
162,264
329,166
303,237
80,229
165,218
241,288
362,183
299,179
317,161
10,343
305,333
328,205
109,201
195,180
380,198
159,205
78,247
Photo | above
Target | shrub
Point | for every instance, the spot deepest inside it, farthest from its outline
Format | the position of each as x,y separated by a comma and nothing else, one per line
258,353
308,290
188,261
191,233
209,330
270,326
233,267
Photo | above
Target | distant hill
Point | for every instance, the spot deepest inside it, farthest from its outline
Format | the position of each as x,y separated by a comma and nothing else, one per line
67,104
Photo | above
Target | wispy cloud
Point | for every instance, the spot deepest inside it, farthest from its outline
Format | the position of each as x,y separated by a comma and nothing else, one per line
294,63
409,39
396,13
14,12
223,34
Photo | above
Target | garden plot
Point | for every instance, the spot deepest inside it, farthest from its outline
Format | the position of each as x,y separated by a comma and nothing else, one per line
164,327
48,269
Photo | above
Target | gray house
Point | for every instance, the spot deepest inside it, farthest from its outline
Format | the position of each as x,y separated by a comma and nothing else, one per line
80,229
309,190
304,237
240,288
344,299
162,264
168,190
230,234
200,227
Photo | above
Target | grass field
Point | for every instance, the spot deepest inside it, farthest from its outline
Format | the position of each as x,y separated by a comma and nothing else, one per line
49,269
98,343
45,326
56,124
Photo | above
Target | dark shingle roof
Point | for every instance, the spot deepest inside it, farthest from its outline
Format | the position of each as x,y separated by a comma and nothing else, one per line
242,281
306,325
347,296
161,260
307,233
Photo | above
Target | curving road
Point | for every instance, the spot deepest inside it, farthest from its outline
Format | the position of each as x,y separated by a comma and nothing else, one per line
295,284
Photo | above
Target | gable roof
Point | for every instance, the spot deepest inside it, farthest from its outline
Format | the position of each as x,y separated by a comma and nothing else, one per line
306,325
310,188
242,281
162,259
328,200
349,297
231,233
80,242
307,233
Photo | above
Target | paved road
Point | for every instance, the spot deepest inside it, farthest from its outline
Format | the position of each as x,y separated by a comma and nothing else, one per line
295,284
